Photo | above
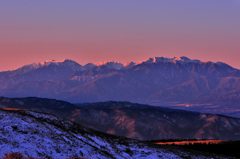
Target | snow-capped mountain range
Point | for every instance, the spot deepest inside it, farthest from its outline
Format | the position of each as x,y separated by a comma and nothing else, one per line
108,64
158,80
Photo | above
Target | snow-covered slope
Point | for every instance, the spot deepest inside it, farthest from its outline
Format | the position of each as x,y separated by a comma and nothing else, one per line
141,122
40,135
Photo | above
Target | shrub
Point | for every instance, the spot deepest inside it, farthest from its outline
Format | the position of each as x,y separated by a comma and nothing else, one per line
13,155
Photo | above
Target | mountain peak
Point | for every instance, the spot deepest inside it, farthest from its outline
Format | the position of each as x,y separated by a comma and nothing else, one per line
68,61
36,65
166,59
48,62
110,65
41,64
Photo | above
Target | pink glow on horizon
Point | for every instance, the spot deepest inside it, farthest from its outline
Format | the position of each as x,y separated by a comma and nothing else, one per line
123,31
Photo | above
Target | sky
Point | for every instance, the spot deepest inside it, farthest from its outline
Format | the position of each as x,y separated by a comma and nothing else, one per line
120,30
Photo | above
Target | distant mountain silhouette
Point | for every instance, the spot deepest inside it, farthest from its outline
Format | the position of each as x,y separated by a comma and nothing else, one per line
159,79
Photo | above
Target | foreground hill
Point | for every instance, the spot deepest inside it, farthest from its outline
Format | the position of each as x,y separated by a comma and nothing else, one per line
160,80
135,121
41,135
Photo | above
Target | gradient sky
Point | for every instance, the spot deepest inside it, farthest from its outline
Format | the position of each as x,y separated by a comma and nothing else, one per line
121,30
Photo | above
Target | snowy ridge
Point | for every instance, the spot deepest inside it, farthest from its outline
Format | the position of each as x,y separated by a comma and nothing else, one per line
109,64
182,59
40,135
66,62
129,65
74,66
